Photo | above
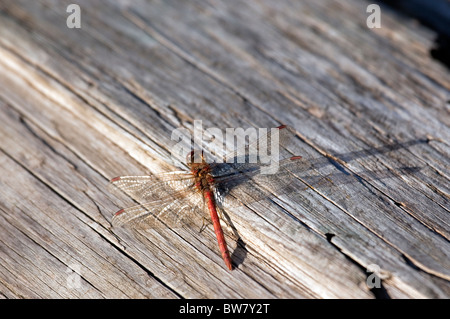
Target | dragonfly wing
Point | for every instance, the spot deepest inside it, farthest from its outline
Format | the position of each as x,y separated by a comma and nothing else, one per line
261,150
155,187
174,213
249,185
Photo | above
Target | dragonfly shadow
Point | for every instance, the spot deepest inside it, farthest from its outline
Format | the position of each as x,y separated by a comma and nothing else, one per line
295,175
350,156
345,176
239,254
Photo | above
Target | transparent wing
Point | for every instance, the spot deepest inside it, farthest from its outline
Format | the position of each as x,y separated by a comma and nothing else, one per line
257,172
155,187
250,185
167,199
181,209
270,147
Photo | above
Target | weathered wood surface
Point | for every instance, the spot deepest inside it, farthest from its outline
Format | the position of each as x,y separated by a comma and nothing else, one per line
79,106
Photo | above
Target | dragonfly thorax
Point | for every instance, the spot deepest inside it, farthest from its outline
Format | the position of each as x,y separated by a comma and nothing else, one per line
202,175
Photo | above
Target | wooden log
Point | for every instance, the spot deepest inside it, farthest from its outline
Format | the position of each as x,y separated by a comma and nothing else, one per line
80,106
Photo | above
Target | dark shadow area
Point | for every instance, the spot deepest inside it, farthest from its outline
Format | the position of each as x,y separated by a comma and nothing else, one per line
378,289
239,254
434,14
380,292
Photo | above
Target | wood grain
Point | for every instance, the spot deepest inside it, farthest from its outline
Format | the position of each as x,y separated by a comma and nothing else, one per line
370,108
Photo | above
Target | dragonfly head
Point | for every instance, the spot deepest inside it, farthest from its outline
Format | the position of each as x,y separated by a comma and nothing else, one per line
195,157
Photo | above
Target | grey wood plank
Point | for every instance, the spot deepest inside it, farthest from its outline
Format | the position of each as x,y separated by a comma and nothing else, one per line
369,108
154,246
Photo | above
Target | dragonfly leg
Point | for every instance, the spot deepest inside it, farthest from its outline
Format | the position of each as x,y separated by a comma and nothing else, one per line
205,222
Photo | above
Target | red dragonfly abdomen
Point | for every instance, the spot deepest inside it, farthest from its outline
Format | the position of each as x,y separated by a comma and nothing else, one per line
218,229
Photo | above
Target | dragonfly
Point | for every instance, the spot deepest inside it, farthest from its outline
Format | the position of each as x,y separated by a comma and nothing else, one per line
174,198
